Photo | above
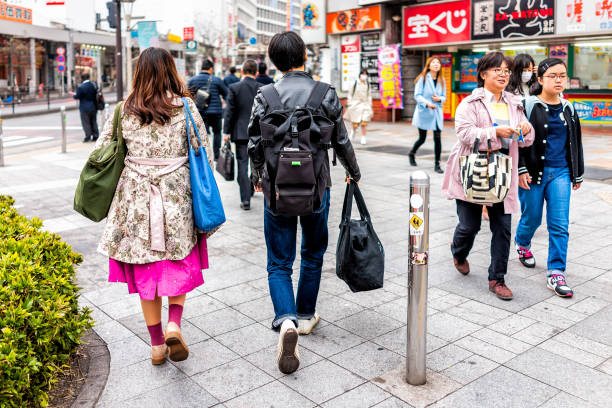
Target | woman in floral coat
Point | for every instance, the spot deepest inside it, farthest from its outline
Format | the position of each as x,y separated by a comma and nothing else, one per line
150,235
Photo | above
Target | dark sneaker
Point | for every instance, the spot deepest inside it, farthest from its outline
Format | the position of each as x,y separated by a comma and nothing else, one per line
412,159
246,206
462,267
438,169
526,257
500,289
557,284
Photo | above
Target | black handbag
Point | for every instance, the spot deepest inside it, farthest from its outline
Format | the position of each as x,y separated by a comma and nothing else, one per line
360,256
225,162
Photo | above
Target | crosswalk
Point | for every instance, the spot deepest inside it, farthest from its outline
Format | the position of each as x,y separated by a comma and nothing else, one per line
18,140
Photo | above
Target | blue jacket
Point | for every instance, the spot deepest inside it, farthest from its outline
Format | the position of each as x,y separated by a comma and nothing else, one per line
230,79
86,94
264,79
217,90
425,118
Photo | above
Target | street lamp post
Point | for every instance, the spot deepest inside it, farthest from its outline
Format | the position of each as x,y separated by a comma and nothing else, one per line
118,58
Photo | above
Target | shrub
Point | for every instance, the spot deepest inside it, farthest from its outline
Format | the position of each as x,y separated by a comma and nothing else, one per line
40,321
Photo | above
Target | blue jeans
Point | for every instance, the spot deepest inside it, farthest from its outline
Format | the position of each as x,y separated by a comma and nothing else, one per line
280,232
556,189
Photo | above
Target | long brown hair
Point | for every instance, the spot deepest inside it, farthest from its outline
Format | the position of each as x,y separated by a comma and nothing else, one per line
156,85
426,70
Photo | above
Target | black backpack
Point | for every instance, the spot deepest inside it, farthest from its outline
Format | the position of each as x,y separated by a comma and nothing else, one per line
99,98
295,142
202,99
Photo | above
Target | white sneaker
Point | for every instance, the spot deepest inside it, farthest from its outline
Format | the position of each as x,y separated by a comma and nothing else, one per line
288,356
306,326
363,140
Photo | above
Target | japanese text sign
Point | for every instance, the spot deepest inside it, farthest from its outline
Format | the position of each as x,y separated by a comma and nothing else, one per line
437,23
360,19
390,77
15,13
584,16
188,33
593,110
507,19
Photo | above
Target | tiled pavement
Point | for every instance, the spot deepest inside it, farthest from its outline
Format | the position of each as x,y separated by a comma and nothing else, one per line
535,351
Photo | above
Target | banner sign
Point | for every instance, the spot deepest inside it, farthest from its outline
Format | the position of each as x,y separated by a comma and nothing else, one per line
446,60
512,19
147,35
468,64
584,16
351,60
370,42
593,110
359,19
313,21
15,13
390,77
437,23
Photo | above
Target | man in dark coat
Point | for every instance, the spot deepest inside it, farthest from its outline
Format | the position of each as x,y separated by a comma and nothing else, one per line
231,78
237,115
214,113
86,94
263,78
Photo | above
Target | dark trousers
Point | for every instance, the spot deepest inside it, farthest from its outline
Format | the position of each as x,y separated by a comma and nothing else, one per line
437,143
242,157
90,124
470,215
213,120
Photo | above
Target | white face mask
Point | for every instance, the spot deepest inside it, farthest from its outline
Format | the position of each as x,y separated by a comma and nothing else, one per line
363,77
526,76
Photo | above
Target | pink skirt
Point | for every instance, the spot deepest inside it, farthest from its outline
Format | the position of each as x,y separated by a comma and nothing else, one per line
166,278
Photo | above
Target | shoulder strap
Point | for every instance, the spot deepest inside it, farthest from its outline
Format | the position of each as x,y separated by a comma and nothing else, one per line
316,95
117,130
272,97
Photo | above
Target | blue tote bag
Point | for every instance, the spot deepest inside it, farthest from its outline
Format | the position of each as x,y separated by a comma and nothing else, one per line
207,207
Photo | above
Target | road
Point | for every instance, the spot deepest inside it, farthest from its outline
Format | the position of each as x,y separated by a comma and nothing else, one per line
41,132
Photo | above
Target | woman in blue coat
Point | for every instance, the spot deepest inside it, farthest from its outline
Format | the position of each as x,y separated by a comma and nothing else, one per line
430,94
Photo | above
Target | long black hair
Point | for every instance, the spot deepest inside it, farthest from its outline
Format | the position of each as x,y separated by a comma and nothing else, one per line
536,88
521,62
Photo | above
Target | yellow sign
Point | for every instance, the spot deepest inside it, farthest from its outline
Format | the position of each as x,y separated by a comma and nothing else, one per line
174,38
416,222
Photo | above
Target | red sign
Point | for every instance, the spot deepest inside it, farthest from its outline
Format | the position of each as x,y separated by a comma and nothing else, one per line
437,23
188,33
350,43
60,50
56,3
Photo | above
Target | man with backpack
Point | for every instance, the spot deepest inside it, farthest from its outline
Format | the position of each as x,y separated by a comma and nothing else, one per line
87,95
207,91
293,124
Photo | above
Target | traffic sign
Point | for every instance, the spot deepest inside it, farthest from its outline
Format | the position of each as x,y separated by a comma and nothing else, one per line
60,50
252,40
61,68
61,58
191,46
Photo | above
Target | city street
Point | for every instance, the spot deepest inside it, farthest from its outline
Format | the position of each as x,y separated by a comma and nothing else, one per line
536,351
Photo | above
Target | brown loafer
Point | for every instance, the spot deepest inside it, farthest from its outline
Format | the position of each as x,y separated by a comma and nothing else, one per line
500,289
177,348
158,354
462,267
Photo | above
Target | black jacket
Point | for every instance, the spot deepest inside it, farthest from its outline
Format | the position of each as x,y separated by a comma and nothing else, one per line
238,109
230,79
86,94
531,159
264,79
294,89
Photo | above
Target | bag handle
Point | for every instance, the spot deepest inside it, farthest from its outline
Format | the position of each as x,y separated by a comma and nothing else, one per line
477,144
352,190
189,118
117,128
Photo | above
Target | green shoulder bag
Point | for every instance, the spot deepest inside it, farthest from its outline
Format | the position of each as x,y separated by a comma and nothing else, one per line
99,177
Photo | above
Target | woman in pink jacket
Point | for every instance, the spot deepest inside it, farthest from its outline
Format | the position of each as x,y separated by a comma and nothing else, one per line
489,112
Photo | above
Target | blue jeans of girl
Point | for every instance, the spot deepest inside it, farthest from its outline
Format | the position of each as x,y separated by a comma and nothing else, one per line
556,189
280,232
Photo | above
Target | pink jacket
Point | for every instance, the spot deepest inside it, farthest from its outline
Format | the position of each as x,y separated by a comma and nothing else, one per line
474,118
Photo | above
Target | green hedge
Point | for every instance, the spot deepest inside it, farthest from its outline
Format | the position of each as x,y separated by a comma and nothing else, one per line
40,320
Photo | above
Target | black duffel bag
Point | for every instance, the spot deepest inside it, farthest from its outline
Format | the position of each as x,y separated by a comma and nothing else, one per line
225,162
360,256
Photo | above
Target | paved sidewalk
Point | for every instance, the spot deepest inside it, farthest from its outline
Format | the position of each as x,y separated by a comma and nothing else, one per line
535,351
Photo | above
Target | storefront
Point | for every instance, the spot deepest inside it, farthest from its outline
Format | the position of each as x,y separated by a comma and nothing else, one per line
577,31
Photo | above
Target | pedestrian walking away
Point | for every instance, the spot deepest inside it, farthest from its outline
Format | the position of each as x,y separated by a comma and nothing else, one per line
493,116
236,122
213,113
86,94
262,76
523,76
150,237
296,314
359,106
548,171
231,78
430,94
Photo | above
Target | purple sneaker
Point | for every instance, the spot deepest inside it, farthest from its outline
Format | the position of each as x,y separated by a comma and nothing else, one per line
557,284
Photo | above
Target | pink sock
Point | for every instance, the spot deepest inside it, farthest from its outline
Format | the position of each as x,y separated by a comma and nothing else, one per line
157,334
174,314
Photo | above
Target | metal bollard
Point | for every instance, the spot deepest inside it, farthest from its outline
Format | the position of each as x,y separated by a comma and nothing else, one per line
63,115
1,145
418,247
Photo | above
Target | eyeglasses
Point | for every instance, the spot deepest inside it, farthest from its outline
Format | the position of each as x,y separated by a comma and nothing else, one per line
554,77
500,71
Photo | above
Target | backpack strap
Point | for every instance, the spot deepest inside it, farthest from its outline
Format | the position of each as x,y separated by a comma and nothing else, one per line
316,95
272,97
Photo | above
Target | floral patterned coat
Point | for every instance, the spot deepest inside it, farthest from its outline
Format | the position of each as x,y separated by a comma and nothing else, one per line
127,234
